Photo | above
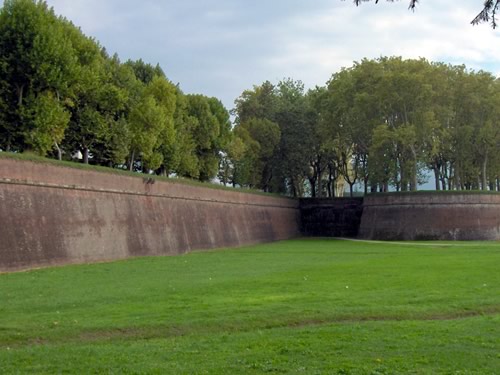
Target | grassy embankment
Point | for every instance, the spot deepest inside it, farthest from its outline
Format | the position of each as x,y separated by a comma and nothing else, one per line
27,156
299,307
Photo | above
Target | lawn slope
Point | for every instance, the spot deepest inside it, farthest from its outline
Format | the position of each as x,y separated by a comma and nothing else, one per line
301,306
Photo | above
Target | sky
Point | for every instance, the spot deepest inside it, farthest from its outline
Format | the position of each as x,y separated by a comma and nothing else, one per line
222,47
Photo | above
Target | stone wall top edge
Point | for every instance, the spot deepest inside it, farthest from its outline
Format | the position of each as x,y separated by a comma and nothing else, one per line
335,199
65,176
432,198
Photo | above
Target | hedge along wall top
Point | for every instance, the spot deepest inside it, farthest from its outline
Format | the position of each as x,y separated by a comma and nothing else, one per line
431,216
59,215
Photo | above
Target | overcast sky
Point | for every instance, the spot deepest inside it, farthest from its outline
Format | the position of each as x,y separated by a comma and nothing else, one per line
222,47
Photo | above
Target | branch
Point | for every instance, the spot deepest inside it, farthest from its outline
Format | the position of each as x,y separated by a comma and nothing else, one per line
489,10
413,3
488,13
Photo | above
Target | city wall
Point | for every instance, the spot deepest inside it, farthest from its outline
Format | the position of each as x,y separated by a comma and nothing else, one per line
51,215
431,216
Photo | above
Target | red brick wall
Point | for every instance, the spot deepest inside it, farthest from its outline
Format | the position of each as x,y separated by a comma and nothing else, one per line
57,215
431,216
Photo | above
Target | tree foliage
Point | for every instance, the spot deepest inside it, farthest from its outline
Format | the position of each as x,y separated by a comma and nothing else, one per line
61,95
380,124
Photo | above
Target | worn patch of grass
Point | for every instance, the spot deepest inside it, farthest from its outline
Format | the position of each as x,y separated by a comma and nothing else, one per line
302,306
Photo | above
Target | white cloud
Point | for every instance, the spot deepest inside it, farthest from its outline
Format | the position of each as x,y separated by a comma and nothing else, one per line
222,47
322,43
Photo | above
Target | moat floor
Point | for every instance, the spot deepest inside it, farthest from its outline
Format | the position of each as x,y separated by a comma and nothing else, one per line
307,306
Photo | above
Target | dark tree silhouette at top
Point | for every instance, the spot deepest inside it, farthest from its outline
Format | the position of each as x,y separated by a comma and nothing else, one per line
487,14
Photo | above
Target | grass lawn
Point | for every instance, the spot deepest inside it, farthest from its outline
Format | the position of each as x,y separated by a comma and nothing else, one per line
309,306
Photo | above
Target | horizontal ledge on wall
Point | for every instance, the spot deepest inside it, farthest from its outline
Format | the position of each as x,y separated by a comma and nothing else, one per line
8,181
413,204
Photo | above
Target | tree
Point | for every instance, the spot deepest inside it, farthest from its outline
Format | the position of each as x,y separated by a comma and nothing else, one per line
382,165
291,163
210,132
152,124
319,155
342,121
49,120
245,163
180,156
87,125
120,90
145,72
37,58
266,134
261,102
354,108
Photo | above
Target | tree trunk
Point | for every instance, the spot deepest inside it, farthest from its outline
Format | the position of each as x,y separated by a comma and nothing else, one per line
331,182
320,184
458,179
414,177
59,152
131,161
312,182
330,188
20,93
85,155
414,182
484,182
436,177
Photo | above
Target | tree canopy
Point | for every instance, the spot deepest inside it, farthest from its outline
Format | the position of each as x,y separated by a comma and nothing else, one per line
381,124
62,95
378,125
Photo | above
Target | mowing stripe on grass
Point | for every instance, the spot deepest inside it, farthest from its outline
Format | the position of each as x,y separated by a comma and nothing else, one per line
425,243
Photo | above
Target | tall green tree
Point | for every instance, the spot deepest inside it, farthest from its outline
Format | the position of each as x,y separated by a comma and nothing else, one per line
36,59
49,120
152,124
210,132
266,134
180,155
145,72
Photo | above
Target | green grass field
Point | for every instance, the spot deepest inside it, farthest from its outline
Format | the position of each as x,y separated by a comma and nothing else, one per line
295,307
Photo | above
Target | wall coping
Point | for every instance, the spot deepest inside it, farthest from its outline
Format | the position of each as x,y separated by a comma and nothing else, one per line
24,172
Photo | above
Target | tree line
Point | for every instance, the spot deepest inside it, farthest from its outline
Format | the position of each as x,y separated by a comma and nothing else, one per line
61,93
380,124
384,124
